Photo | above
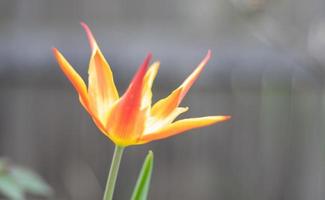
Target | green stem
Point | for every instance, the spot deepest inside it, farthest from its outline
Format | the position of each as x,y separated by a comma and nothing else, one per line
111,180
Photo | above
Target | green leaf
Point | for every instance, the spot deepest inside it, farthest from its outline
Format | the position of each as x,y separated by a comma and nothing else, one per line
141,189
10,188
30,181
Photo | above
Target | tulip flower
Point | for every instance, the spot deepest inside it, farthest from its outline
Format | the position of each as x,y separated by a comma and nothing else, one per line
130,119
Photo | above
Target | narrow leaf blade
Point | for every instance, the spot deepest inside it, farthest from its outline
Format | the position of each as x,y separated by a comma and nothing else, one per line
141,189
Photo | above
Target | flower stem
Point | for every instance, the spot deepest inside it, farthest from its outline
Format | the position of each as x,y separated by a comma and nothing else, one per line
111,180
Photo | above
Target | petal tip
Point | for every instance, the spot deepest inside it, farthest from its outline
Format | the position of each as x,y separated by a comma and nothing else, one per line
149,56
227,117
146,62
223,118
155,65
82,23
56,52
185,109
218,118
209,54
90,36
207,57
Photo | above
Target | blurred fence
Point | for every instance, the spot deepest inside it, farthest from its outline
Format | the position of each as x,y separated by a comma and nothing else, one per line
273,148
267,72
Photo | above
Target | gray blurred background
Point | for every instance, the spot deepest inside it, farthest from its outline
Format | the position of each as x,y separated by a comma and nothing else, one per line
267,71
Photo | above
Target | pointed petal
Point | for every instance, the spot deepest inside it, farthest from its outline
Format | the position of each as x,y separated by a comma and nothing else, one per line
148,81
90,36
166,106
126,119
181,126
187,84
73,76
78,84
101,87
154,124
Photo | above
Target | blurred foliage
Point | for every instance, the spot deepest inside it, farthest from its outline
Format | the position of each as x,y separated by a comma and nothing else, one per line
143,183
16,182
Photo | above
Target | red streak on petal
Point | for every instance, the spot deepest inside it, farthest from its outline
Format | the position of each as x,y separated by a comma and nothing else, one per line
127,116
136,83
132,97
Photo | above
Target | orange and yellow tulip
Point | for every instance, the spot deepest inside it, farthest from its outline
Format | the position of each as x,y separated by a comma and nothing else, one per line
130,119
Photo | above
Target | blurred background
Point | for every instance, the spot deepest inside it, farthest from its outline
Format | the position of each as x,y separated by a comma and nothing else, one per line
267,71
